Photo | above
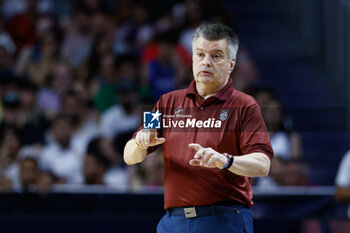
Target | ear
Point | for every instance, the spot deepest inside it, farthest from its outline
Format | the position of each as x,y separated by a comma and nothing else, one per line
232,65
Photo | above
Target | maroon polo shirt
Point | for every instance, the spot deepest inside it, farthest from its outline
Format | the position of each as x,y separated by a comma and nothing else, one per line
229,122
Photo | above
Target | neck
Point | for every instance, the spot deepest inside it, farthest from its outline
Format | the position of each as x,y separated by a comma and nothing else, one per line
205,90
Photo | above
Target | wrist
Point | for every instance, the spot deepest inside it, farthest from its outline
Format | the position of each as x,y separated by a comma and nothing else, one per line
229,161
140,146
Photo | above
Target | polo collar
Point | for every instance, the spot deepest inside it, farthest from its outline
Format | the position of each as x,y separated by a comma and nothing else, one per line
224,94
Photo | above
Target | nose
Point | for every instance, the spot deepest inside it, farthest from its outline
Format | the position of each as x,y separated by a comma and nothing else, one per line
206,60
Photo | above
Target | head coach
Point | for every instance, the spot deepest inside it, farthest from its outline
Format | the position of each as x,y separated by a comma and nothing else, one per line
214,139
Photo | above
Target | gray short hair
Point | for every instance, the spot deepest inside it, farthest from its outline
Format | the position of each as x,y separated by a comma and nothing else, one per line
217,32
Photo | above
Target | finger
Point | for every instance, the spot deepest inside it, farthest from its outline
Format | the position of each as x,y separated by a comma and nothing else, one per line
206,157
146,138
195,162
199,154
152,136
195,146
143,140
138,139
211,162
159,141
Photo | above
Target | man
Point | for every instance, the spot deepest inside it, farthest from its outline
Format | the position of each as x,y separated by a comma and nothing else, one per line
58,156
208,157
29,173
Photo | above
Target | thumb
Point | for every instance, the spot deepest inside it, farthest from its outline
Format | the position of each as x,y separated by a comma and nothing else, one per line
195,146
195,162
160,141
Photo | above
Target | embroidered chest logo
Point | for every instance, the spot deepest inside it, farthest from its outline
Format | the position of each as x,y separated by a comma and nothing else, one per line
223,114
179,110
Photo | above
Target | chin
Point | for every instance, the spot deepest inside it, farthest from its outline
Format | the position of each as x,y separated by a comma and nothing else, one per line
204,79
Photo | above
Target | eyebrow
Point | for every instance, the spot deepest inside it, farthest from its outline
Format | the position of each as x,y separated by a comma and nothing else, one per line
215,50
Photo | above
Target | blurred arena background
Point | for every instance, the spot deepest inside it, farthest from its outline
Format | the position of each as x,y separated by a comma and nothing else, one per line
76,74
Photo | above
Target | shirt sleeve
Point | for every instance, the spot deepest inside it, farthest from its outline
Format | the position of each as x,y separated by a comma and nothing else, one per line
253,134
343,175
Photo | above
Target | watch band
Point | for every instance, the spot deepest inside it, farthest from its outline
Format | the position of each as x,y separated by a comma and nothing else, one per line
230,160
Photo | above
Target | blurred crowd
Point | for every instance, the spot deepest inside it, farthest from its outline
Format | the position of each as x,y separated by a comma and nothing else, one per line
75,76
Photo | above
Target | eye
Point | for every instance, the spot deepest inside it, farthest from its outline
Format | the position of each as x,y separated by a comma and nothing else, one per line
201,55
217,57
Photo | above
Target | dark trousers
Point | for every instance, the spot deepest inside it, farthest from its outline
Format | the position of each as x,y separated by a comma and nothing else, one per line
236,222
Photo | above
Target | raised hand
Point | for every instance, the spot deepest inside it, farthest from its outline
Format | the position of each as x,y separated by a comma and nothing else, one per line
207,157
148,137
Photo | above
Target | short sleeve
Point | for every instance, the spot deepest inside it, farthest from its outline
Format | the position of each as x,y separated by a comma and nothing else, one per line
253,133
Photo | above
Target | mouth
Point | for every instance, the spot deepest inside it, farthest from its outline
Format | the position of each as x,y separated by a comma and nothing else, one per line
205,73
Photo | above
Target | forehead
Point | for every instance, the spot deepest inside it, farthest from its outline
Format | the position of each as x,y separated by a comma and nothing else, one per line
211,45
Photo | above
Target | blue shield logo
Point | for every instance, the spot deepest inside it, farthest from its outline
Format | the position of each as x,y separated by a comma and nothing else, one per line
151,120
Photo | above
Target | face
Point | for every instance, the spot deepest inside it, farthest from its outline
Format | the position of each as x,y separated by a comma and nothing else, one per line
211,65
92,169
11,143
71,106
29,172
62,131
273,115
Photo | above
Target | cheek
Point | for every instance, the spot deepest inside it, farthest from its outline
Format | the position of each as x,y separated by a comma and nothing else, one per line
195,68
224,70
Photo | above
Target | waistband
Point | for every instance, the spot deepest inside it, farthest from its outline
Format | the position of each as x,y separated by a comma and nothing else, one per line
199,211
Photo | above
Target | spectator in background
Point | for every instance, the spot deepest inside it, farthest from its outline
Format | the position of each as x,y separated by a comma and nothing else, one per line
285,143
29,173
91,6
49,96
101,24
133,34
106,164
22,27
122,117
11,110
193,18
245,76
123,11
44,182
46,59
342,181
168,70
19,110
58,157
149,174
78,39
33,121
94,168
295,173
107,79
32,58
85,125
88,74
10,144
11,8
8,49
6,62
7,84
